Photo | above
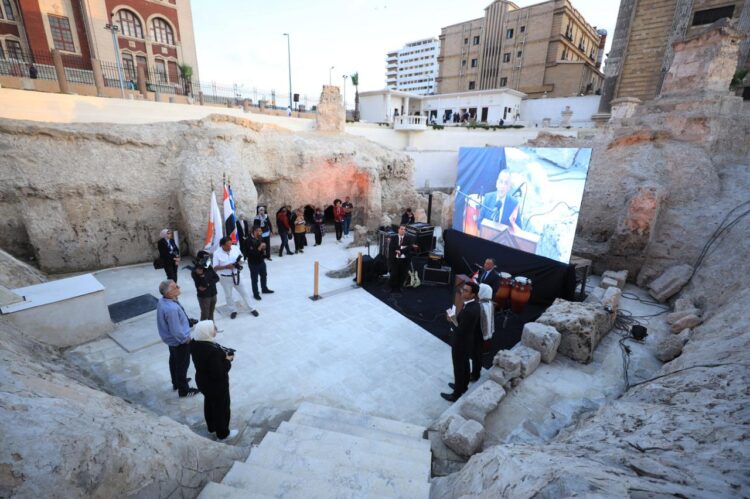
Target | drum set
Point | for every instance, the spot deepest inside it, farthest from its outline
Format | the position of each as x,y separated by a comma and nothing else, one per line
513,291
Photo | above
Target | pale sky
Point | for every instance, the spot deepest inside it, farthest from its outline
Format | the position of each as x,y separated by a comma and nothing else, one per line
242,41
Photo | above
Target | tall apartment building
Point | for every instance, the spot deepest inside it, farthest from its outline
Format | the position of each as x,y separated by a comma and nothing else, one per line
413,68
645,31
543,49
154,33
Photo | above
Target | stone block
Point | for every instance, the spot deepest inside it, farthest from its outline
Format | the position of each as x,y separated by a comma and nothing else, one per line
669,348
689,321
582,326
501,376
595,296
611,299
463,436
684,303
670,282
530,359
621,276
481,401
542,338
607,282
508,362
677,315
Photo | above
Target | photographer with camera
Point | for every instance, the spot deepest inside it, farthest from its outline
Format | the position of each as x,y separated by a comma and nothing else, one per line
228,264
205,279
174,326
212,364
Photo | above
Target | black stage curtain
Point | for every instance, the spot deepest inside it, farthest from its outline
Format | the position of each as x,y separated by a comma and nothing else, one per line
550,279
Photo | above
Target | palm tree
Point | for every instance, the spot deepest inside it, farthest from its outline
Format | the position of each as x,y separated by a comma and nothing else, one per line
355,82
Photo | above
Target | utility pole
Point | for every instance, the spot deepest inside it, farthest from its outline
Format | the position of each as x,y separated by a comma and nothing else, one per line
289,59
114,28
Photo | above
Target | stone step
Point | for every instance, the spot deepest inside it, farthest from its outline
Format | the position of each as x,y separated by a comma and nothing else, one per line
340,454
358,419
271,471
304,432
214,490
333,424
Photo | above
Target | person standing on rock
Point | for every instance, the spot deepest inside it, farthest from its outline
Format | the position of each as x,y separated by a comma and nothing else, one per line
174,329
348,208
464,339
256,250
169,253
227,264
212,364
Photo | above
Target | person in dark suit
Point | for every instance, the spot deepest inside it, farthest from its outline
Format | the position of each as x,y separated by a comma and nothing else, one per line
212,364
499,205
169,254
244,231
488,275
399,256
464,340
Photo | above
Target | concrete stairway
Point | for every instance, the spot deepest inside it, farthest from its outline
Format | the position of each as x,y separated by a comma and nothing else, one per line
324,452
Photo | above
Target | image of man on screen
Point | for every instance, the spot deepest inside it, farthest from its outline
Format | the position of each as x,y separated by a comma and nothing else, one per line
499,205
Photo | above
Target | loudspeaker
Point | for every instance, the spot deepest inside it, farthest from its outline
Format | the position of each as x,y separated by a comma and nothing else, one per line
437,276
369,274
638,332
296,98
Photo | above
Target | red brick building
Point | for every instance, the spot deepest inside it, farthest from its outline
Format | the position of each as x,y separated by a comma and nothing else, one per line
155,33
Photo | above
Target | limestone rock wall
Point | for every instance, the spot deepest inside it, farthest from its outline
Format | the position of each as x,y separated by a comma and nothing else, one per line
79,197
60,437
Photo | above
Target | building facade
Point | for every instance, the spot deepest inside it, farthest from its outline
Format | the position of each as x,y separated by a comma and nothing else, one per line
543,49
645,31
414,68
157,34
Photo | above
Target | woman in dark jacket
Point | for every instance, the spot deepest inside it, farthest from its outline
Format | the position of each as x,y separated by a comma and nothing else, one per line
205,279
212,364
169,254
318,227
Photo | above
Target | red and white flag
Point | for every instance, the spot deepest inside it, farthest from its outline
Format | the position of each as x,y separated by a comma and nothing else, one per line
214,231
230,220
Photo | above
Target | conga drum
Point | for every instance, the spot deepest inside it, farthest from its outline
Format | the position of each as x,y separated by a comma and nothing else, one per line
471,214
503,291
520,294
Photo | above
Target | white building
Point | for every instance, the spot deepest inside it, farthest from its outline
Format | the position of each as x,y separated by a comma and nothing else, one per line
414,67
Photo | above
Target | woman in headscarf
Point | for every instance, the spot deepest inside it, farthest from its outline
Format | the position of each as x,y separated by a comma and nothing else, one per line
169,253
486,322
212,364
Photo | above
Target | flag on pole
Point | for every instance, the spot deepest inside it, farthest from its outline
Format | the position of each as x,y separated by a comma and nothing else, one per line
214,231
230,220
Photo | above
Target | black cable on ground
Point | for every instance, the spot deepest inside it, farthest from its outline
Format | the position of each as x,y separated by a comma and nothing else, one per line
717,234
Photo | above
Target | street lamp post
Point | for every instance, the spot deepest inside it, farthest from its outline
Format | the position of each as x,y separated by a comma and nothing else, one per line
330,81
289,59
345,77
114,28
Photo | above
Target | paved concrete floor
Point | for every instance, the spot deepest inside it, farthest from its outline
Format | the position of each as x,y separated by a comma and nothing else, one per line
347,350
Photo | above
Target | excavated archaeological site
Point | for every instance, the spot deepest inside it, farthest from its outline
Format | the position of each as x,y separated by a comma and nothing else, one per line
665,219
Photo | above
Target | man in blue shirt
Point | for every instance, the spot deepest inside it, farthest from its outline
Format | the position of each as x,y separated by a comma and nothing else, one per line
174,329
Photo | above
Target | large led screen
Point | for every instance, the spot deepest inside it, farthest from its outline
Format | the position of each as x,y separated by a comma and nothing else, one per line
523,197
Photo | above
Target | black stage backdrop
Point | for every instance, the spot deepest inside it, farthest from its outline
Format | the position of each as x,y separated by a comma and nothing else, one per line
550,279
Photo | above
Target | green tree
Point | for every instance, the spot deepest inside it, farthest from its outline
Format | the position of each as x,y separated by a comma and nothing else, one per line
355,82
186,71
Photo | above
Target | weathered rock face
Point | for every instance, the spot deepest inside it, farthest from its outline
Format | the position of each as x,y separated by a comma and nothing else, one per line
107,206
330,117
71,440
582,326
16,274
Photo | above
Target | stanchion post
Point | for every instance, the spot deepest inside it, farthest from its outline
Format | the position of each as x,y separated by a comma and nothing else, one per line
315,295
359,269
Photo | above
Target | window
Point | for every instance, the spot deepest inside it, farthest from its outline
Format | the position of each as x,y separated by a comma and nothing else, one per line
466,41
564,54
463,63
474,63
472,85
14,49
129,24
8,8
62,37
709,16
509,34
128,67
476,40
161,32
2,52
503,82
522,29
519,54
161,71
506,57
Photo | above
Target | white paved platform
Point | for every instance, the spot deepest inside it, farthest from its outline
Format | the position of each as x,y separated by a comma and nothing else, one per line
347,350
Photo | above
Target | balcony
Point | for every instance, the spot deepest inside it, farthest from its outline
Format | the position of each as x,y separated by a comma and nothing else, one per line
410,123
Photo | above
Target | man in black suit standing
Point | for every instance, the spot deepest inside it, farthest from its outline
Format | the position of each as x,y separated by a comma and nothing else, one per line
488,275
463,341
399,256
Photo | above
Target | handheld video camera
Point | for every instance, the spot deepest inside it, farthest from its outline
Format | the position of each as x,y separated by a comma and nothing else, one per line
238,263
227,351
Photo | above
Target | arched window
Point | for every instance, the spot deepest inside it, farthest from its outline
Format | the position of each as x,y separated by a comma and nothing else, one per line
129,24
161,32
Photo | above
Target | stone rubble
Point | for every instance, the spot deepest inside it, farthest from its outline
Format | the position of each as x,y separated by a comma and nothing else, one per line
530,359
509,362
480,402
670,282
686,322
619,276
463,436
669,348
542,338
582,326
